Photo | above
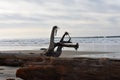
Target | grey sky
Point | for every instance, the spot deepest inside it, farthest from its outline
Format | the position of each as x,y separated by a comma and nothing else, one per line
34,18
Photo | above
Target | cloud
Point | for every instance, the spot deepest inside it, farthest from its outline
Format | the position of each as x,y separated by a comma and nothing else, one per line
91,16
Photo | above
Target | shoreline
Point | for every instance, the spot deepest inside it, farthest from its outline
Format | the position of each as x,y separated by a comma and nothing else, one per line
65,53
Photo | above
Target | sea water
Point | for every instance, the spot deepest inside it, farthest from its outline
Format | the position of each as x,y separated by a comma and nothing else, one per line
85,44
110,45
95,44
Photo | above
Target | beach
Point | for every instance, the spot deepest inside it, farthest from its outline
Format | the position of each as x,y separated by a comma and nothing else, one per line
46,33
9,72
65,53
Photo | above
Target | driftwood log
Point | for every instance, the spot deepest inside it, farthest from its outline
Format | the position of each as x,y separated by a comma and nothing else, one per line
18,59
71,69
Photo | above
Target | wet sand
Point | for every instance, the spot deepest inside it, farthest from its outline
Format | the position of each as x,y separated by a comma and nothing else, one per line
65,53
7,72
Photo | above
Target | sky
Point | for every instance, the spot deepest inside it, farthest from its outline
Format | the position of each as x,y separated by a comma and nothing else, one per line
35,18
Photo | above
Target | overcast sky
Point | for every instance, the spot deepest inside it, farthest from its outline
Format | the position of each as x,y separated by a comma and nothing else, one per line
35,18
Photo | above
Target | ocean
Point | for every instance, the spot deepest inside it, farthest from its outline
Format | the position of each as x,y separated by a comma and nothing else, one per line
85,44
95,44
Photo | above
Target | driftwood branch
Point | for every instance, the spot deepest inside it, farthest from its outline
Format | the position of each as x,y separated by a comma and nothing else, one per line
74,45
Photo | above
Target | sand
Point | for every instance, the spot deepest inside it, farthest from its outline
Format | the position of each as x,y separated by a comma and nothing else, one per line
33,53
65,53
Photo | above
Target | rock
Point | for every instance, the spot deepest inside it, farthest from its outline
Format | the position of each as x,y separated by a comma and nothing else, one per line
71,69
